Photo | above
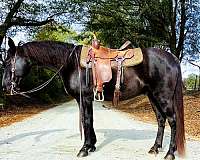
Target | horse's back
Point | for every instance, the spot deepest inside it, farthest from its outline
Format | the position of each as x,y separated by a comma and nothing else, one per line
158,69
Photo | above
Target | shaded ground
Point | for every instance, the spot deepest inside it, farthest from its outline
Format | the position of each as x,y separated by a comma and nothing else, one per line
140,109
15,114
23,108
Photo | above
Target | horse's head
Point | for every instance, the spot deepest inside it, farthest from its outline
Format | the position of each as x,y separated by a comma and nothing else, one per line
16,67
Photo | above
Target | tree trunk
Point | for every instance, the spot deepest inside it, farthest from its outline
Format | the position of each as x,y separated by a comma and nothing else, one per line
179,48
172,40
7,23
3,30
199,80
177,41
195,83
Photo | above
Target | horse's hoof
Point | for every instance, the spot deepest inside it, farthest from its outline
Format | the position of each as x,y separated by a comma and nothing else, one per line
82,153
169,157
153,151
92,149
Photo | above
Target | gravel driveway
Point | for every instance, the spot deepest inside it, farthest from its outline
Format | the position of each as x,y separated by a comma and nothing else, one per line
54,135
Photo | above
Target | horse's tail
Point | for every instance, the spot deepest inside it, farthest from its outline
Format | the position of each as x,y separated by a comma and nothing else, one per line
179,109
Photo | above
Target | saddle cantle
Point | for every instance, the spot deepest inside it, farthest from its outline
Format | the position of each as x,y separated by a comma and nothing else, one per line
102,60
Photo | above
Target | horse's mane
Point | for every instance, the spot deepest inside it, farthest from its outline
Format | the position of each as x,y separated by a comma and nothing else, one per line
46,52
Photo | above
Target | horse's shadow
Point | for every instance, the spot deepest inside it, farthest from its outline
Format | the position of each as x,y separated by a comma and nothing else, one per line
38,134
111,135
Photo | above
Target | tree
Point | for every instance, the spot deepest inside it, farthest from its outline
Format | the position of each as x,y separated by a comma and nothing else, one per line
21,14
197,79
192,41
145,23
59,32
191,82
55,32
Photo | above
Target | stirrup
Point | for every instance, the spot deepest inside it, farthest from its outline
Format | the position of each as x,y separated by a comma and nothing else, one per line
98,96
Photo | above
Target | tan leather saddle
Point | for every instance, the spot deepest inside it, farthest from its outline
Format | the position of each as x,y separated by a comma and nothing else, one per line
102,60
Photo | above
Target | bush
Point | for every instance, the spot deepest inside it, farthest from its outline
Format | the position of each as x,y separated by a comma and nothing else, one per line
52,92
192,82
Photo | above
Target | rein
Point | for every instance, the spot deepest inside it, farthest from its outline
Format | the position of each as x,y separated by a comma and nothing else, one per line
13,92
80,98
13,84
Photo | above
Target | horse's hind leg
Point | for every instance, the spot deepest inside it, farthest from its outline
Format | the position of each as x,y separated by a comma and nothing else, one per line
165,105
172,147
161,119
87,121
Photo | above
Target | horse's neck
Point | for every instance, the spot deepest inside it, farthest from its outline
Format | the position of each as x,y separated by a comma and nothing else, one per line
54,61
55,58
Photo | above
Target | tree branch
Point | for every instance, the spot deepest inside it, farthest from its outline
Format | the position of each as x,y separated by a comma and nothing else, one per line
189,61
28,22
7,24
13,11
194,46
56,14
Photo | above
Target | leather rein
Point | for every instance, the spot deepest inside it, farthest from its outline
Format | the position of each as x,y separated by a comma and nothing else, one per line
14,92
13,83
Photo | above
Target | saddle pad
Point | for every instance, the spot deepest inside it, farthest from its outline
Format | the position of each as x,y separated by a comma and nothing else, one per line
133,57
84,56
135,60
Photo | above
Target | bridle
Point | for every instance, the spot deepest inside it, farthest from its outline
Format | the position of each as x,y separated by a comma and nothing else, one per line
13,83
13,69
14,92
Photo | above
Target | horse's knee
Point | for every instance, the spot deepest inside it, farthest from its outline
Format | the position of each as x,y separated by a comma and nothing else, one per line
172,122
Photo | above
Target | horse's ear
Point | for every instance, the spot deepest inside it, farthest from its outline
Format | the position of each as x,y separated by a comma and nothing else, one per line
11,44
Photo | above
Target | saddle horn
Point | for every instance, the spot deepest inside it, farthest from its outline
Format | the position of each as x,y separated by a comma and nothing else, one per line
95,42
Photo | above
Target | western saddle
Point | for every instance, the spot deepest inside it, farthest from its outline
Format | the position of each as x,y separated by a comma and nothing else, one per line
101,59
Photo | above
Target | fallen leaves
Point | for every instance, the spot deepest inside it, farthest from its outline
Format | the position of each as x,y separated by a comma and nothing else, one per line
141,109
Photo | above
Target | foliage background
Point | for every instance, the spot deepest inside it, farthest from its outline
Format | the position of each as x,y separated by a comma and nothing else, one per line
169,24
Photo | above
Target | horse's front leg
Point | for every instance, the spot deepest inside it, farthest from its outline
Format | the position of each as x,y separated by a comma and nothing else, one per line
87,122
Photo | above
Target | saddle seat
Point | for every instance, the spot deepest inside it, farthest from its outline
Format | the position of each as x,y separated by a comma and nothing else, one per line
112,54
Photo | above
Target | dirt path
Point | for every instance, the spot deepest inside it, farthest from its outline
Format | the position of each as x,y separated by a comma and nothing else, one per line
54,135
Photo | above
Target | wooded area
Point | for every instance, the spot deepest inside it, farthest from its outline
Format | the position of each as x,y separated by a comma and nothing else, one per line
168,24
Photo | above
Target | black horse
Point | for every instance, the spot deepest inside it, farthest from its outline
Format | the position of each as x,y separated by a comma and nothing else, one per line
158,76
